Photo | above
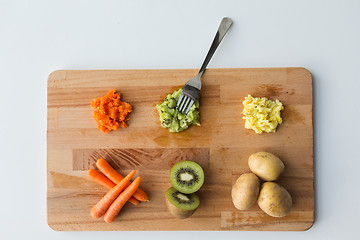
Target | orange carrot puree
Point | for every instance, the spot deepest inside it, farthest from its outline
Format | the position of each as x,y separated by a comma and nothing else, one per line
110,112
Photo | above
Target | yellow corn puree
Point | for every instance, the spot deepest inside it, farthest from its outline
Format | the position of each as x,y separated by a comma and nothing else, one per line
262,114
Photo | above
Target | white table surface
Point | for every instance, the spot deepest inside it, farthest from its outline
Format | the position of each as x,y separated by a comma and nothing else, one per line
38,37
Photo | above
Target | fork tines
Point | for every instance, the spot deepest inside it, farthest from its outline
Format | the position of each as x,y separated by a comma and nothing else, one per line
187,98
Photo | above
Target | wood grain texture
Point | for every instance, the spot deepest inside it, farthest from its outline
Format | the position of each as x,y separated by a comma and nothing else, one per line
221,145
140,158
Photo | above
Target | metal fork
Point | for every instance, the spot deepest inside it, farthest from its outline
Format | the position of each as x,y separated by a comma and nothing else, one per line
193,86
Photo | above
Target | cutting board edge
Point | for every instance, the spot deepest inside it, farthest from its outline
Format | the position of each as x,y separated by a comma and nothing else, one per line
61,73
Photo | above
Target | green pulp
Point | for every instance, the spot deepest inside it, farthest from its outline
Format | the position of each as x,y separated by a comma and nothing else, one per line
171,118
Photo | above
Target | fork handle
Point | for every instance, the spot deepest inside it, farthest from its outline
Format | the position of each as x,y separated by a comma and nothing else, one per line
222,30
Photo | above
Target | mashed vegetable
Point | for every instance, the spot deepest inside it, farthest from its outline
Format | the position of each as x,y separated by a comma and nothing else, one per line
110,113
262,114
171,118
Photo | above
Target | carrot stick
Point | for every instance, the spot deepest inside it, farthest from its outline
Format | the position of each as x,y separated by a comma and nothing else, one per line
103,180
134,201
100,208
120,201
116,177
100,178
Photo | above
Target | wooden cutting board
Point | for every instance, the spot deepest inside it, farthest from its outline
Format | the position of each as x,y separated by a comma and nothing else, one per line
221,145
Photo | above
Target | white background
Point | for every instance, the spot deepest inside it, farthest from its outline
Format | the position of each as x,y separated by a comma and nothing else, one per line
37,37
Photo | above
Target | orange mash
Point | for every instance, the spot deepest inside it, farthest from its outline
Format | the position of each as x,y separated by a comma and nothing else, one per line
110,113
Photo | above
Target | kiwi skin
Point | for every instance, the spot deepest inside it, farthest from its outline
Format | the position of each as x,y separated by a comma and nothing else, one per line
177,212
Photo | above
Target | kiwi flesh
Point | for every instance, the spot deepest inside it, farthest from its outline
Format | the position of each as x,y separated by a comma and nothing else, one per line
187,177
181,205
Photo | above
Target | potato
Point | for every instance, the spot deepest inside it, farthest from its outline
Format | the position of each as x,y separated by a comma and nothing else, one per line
266,166
245,191
274,200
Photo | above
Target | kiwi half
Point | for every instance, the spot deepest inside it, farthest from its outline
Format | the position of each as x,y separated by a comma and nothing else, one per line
187,177
181,205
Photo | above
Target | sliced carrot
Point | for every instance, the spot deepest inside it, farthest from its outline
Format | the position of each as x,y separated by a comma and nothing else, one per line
116,177
102,206
120,201
106,182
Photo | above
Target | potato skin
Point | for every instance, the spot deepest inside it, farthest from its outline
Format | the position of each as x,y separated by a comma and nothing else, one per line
274,200
266,165
245,191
